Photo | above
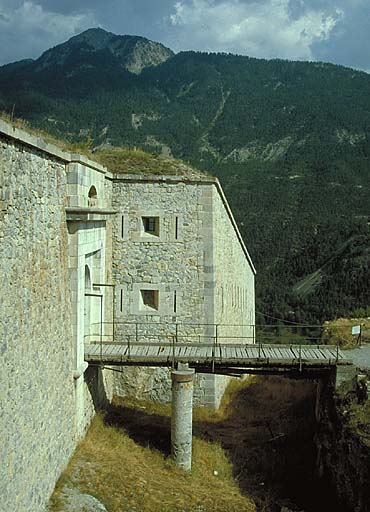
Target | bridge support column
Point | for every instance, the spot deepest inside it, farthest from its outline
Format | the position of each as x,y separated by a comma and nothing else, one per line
346,373
182,417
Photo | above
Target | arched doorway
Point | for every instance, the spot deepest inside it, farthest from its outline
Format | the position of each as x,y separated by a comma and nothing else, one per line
87,303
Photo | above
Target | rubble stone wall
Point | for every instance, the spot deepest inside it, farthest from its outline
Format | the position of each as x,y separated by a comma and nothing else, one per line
37,421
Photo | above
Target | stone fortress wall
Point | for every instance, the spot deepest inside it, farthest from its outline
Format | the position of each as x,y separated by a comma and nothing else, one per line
46,397
36,383
233,276
189,262
69,231
170,263
229,285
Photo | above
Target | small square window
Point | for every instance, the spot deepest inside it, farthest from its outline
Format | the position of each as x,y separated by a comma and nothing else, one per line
149,299
151,225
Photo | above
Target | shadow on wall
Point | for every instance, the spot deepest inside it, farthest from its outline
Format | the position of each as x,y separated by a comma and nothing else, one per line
95,382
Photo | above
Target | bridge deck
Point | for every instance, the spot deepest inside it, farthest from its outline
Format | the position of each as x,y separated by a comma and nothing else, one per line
220,356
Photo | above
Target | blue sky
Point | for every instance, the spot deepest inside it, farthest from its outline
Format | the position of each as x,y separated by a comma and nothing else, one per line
331,30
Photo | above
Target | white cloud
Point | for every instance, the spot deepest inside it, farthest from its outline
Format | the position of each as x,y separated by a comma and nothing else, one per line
28,30
261,28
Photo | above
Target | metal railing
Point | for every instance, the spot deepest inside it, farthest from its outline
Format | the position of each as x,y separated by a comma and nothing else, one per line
119,331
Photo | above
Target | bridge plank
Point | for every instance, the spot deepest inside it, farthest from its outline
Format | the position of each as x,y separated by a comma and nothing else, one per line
239,351
266,351
135,351
192,352
152,351
251,351
227,352
112,349
91,350
276,352
304,354
166,351
286,353
281,356
316,353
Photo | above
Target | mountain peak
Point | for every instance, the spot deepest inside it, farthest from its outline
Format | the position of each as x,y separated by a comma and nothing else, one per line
97,38
133,53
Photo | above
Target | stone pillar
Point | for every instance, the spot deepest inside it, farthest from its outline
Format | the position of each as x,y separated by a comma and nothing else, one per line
346,374
182,417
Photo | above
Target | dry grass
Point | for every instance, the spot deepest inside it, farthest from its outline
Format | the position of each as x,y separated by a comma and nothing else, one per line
340,331
254,442
26,126
128,161
125,475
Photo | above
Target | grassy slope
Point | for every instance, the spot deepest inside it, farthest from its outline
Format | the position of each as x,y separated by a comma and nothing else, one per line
257,443
125,475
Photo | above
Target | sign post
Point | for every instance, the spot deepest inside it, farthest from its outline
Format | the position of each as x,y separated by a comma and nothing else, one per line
356,331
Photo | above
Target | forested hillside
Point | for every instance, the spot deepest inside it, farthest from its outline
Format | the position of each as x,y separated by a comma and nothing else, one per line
290,142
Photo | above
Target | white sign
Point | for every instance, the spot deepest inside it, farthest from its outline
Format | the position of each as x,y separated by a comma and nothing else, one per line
356,329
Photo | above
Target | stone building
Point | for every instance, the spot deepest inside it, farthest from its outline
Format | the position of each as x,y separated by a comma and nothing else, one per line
69,231
178,263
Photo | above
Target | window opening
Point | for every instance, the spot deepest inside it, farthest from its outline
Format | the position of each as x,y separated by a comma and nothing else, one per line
121,301
122,226
151,225
87,279
93,197
149,299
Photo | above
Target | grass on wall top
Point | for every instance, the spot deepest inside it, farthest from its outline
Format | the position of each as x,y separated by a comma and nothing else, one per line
116,159
129,161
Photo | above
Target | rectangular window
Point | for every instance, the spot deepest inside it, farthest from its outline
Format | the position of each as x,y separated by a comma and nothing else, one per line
121,301
151,225
149,300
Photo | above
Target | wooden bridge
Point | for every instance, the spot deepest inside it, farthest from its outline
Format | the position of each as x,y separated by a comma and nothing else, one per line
217,353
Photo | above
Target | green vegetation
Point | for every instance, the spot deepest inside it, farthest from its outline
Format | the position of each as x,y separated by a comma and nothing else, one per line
124,160
290,142
358,416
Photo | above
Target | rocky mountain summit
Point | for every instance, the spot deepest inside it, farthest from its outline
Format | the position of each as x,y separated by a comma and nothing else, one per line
91,47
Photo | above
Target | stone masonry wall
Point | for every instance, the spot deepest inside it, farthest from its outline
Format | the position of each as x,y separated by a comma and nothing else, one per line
37,421
170,263
88,192
196,264
48,396
234,279
234,309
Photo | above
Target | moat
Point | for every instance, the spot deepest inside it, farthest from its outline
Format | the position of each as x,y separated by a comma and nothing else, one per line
267,430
